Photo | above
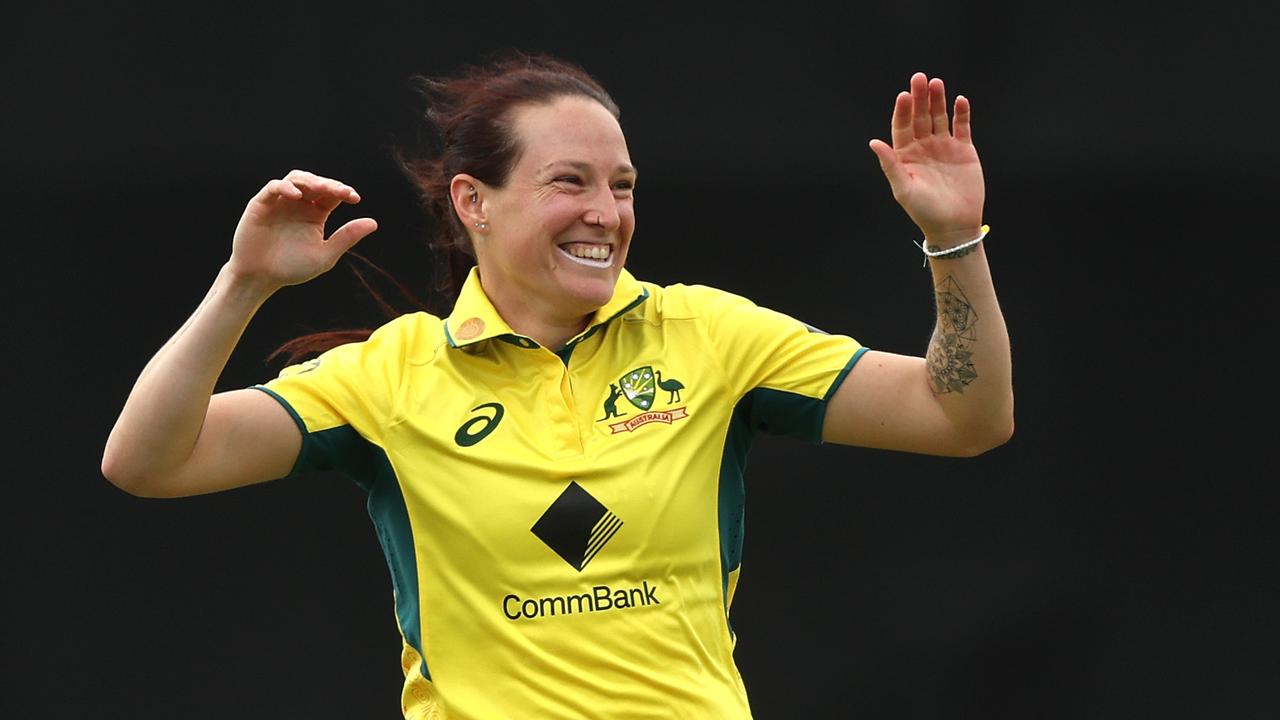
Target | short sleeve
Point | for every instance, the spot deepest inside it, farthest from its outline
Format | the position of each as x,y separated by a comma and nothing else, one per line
784,370
344,399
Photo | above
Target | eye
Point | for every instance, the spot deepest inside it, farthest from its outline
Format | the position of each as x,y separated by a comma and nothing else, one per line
571,179
624,185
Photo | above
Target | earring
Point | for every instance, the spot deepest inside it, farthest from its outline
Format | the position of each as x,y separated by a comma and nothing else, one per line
482,225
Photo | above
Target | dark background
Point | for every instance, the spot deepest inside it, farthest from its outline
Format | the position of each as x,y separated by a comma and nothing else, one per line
1117,559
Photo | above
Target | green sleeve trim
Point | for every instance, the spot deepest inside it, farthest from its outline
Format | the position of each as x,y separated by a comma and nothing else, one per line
292,413
835,384
300,464
780,412
831,391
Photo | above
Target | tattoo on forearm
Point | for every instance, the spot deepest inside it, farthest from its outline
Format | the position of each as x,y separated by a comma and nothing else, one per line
950,356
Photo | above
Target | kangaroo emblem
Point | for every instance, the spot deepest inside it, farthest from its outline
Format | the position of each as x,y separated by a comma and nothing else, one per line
611,404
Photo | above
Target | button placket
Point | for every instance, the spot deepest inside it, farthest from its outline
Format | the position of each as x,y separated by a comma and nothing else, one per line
558,396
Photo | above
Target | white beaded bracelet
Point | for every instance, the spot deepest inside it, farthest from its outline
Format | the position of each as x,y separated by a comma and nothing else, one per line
952,250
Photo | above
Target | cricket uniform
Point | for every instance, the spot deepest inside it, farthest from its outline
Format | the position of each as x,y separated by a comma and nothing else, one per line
564,529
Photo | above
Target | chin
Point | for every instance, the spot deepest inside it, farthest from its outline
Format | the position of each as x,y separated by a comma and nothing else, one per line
590,294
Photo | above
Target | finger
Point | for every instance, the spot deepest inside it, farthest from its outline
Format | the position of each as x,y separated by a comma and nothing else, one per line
963,114
329,195
938,106
891,166
900,126
319,189
278,189
303,175
921,123
345,237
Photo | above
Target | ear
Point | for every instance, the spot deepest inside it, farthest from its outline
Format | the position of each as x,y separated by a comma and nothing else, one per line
467,194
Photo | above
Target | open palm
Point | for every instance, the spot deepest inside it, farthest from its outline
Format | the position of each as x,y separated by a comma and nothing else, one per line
933,168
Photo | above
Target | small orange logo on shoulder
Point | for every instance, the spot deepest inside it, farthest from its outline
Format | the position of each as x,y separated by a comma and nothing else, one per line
470,328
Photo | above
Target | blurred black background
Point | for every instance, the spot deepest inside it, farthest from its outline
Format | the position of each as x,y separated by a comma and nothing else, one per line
1116,559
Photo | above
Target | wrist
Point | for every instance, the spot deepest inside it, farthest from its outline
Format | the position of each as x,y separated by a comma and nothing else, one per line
944,240
954,251
243,288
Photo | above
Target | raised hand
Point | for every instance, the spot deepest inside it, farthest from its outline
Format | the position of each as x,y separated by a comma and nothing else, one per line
280,238
933,169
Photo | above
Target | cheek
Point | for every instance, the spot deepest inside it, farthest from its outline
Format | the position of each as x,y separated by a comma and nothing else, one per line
558,212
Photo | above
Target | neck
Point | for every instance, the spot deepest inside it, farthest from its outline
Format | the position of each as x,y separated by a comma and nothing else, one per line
549,334
551,327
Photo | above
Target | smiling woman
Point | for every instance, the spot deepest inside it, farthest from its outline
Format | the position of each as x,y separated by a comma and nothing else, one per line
552,239
563,539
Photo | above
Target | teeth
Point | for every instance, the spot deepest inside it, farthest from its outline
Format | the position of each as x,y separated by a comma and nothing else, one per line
593,255
597,252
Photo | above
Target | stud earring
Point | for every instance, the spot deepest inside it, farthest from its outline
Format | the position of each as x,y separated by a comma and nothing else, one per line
482,225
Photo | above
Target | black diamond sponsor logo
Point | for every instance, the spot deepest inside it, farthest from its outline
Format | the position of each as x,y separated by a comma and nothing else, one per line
576,526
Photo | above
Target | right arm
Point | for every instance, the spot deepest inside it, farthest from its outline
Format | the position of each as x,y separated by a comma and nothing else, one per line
174,437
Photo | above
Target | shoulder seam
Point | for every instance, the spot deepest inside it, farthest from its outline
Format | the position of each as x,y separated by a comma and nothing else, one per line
398,414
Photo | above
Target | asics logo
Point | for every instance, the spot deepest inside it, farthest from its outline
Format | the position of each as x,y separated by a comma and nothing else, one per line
478,428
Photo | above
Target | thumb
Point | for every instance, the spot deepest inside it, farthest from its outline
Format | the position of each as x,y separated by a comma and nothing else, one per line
890,165
346,237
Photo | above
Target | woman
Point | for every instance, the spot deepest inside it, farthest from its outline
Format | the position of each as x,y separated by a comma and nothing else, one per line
555,469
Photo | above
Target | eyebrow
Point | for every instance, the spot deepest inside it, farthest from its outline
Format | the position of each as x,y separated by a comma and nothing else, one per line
586,167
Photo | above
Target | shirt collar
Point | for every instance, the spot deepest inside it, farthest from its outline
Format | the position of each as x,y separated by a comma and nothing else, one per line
474,318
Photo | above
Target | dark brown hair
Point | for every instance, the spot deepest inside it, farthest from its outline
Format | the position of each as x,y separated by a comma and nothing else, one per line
471,114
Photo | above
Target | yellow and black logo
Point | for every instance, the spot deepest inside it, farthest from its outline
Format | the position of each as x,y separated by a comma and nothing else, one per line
576,526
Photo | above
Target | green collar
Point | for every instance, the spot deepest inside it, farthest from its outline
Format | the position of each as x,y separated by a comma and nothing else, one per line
474,318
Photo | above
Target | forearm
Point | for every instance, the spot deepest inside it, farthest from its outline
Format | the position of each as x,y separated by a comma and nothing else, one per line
968,358
164,413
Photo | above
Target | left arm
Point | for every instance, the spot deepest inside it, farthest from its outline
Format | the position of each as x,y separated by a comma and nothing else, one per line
958,398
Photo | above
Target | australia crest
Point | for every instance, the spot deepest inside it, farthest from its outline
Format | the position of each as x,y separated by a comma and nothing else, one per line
640,386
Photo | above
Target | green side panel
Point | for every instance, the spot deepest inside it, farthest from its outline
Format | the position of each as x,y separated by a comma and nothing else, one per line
391,520
760,410
732,493
345,450
777,412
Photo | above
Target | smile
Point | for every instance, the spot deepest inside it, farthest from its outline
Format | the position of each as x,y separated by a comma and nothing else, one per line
589,254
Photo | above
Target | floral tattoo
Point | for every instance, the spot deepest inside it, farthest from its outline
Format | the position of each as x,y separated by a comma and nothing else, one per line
950,356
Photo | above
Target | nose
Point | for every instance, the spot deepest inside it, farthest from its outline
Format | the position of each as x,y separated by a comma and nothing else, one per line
602,210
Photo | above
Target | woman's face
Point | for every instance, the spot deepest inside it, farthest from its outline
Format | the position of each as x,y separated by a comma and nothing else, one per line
559,230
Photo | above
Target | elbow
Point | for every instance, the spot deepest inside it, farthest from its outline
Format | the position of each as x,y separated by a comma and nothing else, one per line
119,474
998,437
992,435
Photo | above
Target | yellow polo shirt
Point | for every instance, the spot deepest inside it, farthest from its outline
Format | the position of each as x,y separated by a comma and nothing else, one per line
564,529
